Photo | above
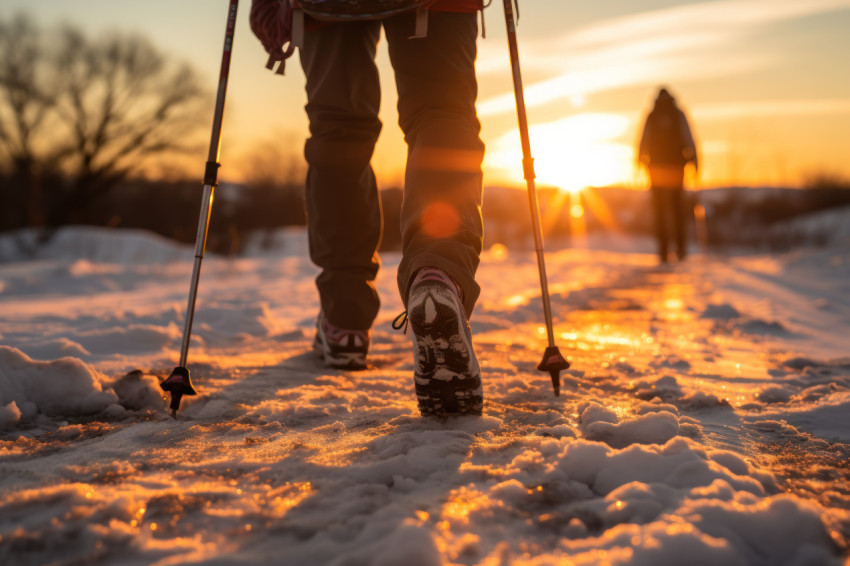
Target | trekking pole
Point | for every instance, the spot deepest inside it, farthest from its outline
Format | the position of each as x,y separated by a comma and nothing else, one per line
179,383
553,361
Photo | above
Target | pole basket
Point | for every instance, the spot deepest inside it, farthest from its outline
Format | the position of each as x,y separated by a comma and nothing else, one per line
554,363
178,384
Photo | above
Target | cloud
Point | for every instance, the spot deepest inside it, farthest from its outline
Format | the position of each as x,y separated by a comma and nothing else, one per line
806,107
704,40
721,18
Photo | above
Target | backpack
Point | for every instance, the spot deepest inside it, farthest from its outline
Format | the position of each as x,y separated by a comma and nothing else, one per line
666,142
279,24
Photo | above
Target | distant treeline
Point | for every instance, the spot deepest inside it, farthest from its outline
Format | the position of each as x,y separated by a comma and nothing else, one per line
740,217
737,216
772,219
171,209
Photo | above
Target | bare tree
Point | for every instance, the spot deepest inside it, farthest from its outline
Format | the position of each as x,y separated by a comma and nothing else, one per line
25,100
273,162
80,115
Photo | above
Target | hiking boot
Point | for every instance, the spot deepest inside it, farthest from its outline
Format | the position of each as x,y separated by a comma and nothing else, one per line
340,348
447,378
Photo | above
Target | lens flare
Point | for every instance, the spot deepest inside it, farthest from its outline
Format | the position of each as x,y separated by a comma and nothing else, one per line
440,220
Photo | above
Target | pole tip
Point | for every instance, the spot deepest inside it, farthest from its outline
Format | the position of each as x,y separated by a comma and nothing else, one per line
554,363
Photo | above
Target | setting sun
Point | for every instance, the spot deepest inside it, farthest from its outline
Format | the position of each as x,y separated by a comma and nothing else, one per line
583,150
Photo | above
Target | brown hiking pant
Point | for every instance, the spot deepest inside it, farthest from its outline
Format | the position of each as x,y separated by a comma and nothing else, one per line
668,203
441,214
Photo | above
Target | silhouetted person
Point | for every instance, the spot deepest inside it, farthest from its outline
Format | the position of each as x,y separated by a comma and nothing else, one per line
666,146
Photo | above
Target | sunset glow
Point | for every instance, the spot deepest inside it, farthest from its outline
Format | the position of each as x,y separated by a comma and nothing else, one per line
752,101
759,80
571,153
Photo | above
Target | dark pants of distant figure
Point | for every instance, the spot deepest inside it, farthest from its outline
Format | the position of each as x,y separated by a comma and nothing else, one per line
441,222
668,203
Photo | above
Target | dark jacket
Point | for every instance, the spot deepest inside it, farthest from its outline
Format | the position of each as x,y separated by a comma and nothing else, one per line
667,138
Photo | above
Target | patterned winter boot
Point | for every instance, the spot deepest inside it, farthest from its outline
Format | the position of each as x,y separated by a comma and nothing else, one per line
447,378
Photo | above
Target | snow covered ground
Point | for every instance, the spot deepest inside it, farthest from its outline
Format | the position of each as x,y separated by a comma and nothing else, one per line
704,420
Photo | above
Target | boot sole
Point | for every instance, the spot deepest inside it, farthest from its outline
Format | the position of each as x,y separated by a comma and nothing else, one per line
447,379
340,360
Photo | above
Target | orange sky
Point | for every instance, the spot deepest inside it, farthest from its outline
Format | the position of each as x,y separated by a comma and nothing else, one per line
764,83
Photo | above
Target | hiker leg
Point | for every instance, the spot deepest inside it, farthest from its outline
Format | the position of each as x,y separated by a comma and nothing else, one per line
659,210
680,222
441,222
344,220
